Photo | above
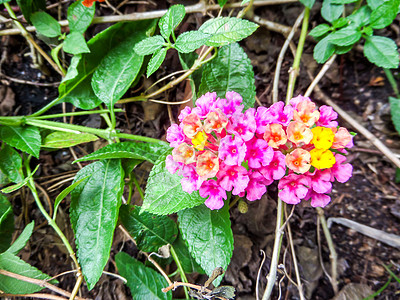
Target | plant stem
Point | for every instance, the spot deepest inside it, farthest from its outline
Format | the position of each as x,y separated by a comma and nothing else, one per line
392,82
54,54
78,113
296,63
137,185
180,269
46,108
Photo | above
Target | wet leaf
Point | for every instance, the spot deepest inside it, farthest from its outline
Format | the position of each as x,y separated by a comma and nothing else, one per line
171,20
79,16
6,223
10,163
24,138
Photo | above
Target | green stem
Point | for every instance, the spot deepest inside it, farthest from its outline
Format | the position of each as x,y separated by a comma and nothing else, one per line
296,63
137,185
77,113
54,54
392,82
47,107
180,269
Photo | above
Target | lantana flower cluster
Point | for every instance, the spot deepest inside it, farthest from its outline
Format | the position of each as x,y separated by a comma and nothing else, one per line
218,148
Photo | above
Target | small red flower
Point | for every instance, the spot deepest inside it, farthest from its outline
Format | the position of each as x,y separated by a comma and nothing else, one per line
89,3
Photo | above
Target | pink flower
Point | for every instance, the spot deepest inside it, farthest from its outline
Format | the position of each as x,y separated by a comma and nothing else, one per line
191,125
214,192
306,113
317,199
296,100
243,125
293,188
280,113
175,135
263,118
327,115
233,177
191,181
258,153
275,135
321,181
299,133
276,169
184,154
298,160
207,165
342,172
231,104
342,139
171,165
257,186
184,112
232,150
205,104
215,121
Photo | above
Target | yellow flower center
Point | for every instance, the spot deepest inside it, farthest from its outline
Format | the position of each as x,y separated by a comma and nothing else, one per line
199,140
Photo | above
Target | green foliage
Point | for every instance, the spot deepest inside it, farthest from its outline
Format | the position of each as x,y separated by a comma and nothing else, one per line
188,263
156,61
330,11
173,17
94,213
164,194
308,3
24,138
22,239
4,1
384,14
141,151
10,163
75,44
395,111
381,51
345,37
17,186
149,45
59,140
191,40
231,70
361,17
46,24
79,16
212,246
144,283
29,6
343,1
319,30
6,223
148,230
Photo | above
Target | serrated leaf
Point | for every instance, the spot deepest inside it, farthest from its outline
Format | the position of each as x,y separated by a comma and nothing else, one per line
225,30
142,151
323,50
149,45
144,282
384,14
188,263
6,223
25,138
320,30
172,18
231,70
345,37
149,231
75,43
18,185
14,264
79,16
61,140
46,24
395,112
10,163
330,11
22,239
76,86
190,41
361,17
308,3
381,51
110,84
94,213
164,194
156,61
212,246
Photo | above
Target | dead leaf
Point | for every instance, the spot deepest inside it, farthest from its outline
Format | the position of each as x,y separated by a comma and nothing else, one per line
354,291
7,100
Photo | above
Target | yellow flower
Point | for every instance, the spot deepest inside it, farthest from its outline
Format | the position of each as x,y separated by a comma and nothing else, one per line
322,137
199,140
322,159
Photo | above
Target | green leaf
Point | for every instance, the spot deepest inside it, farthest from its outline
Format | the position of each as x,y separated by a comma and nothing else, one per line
11,263
342,49
223,2
343,1
94,214
29,6
384,14
164,194
19,185
308,3
172,18
339,23
187,60
323,50
76,86
190,41
330,11
395,111
212,246
361,17
61,140
156,61
23,238
143,151
75,43
4,1
397,177
25,138
10,163
320,30
79,16
148,230
46,24
188,263
149,45
231,70
6,223
381,51
144,283
345,37
110,84
374,4
225,30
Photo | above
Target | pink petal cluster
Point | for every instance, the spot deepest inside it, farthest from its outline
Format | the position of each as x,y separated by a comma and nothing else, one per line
218,148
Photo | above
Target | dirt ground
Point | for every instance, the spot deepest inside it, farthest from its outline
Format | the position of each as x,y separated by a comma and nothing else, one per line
370,197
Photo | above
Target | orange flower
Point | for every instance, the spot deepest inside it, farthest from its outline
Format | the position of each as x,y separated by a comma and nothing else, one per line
89,3
299,133
207,165
215,120
298,160
184,153
275,135
342,138
191,125
306,113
